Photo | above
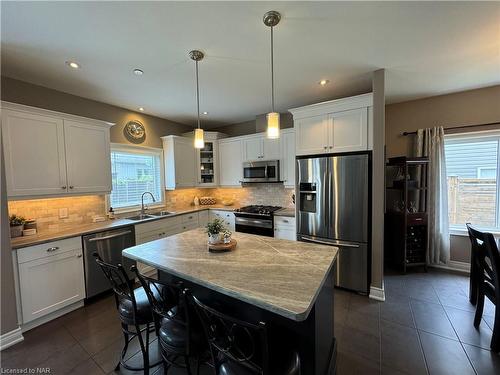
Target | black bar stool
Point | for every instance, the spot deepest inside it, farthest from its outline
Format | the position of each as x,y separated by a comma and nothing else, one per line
241,348
134,310
487,278
179,335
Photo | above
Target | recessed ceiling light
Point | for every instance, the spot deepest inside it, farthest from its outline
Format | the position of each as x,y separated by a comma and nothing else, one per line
138,72
73,64
324,82
205,113
141,109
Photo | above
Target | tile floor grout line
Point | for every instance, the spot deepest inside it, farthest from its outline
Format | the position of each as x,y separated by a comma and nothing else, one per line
419,340
459,340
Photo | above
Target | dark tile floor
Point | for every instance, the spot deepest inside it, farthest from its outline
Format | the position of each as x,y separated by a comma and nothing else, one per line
425,326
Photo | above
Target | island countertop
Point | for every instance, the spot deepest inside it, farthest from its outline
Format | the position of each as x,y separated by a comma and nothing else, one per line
280,276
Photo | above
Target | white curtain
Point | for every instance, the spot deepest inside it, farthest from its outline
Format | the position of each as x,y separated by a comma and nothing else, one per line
430,142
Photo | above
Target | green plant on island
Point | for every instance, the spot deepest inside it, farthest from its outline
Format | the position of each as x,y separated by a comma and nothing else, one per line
215,227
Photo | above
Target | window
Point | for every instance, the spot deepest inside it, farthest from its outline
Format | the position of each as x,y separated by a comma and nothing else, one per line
472,161
134,171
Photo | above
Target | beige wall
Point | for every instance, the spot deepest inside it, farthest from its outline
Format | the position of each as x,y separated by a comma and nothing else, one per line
8,317
37,96
462,108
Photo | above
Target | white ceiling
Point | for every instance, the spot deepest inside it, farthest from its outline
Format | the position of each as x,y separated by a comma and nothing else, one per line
428,48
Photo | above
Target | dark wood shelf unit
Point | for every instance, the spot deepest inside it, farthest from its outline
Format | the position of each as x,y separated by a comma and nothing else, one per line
406,217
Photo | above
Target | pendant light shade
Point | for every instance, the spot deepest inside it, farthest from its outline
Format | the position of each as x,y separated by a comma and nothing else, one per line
271,19
199,141
273,125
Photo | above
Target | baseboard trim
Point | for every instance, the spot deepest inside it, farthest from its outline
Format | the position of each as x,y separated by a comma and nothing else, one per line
377,293
54,315
455,266
11,338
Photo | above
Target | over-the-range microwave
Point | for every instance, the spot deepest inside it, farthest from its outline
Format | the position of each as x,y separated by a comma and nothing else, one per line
261,171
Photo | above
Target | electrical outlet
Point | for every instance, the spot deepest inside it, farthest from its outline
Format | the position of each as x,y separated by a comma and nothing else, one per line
63,213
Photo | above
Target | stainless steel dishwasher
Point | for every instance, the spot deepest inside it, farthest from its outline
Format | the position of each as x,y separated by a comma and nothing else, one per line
109,246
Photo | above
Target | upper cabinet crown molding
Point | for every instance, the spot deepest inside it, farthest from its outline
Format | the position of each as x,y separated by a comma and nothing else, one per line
337,105
52,154
48,112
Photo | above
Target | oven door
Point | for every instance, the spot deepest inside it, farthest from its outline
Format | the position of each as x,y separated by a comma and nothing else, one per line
261,171
254,225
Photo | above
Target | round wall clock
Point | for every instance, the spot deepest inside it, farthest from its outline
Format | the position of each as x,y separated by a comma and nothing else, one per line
135,130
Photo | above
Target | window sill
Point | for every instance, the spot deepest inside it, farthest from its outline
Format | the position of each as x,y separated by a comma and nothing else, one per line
463,232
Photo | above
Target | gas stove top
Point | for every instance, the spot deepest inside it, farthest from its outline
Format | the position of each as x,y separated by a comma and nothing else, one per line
258,210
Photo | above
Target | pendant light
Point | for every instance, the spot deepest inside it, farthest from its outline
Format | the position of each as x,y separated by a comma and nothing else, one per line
199,141
271,19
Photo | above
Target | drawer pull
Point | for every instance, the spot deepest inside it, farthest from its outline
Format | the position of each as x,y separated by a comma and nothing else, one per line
285,221
79,256
51,249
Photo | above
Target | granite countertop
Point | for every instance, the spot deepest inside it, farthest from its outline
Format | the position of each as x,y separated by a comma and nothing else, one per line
290,212
281,276
83,229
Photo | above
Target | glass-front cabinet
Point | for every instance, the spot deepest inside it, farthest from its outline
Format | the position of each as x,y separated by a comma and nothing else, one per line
207,164
206,159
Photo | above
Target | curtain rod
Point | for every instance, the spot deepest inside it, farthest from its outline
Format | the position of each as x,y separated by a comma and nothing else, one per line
458,127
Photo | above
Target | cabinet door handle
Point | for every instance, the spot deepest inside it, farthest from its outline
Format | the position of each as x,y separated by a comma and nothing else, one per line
52,249
63,187
325,147
331,146
285,221
71,187
79,256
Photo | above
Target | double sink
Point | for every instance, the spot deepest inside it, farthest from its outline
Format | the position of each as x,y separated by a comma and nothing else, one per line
150,216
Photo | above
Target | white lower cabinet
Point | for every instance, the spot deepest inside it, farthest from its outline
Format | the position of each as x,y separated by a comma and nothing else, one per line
284,228
50,277
226,216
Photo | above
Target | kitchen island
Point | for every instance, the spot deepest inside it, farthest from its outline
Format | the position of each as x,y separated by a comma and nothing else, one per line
286,284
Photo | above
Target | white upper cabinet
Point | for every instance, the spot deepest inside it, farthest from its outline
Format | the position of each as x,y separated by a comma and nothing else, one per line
180,162
271,148
47,152
349,130
230,162
312,135
288,158
253,149
340,125
87,157
259,147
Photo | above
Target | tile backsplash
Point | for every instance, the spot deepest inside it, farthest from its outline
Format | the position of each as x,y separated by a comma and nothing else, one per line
81,209
46,211
268,194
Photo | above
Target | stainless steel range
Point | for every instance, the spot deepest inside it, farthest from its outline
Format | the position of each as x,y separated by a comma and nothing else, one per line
256,219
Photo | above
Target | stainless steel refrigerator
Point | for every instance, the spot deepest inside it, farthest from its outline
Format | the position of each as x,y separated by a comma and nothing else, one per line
333,207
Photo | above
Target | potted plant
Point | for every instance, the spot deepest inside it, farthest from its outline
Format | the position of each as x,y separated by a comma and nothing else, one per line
214,230
16,225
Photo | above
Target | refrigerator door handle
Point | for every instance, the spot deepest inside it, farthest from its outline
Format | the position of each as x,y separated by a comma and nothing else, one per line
331,243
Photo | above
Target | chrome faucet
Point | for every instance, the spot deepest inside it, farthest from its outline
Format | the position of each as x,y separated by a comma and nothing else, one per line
143,209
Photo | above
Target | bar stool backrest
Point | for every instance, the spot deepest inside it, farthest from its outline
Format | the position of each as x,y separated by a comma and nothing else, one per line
487,260
231,338
119,280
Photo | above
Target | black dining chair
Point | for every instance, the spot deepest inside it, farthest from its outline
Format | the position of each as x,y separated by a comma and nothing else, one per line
133,310
179,335
487,278
241,348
